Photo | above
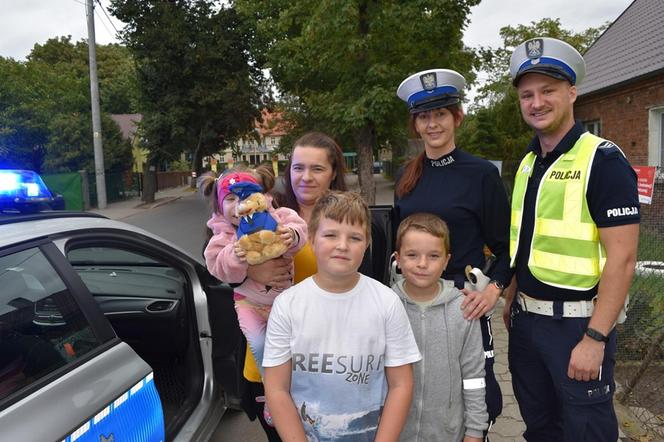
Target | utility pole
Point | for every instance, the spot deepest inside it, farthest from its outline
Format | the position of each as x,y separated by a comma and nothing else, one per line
94,99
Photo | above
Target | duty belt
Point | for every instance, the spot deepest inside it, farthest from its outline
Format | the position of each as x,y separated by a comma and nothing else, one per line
570,309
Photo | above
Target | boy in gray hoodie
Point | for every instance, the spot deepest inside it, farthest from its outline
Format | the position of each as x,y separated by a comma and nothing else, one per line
448,395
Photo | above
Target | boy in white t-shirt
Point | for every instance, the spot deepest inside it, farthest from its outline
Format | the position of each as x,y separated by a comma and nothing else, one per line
339,346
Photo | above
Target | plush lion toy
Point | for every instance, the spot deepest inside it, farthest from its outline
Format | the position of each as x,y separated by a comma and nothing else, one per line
257,232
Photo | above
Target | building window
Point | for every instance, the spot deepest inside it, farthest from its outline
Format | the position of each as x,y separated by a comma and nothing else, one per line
656,137
593,127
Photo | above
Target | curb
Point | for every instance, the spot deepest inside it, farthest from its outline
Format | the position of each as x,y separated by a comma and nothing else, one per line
157,203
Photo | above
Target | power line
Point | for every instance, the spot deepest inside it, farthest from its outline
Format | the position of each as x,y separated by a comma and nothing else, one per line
102,22
107,17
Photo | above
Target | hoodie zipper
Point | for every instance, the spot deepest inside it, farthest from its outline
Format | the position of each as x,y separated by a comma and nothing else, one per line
422,372
449,365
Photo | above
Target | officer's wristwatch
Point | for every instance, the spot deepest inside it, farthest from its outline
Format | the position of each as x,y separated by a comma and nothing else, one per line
497,284
597,336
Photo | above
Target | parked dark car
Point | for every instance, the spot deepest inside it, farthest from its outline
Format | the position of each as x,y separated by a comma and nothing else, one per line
377,167
24,191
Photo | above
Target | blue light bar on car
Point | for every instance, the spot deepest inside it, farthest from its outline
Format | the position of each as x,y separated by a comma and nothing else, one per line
23,184
9,182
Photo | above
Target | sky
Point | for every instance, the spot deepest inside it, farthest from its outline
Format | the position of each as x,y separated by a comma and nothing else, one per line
26,22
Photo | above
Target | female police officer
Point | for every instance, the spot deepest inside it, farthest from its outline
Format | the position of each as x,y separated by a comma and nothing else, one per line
465,191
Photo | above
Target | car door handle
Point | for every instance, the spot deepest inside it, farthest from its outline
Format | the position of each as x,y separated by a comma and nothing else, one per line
161,306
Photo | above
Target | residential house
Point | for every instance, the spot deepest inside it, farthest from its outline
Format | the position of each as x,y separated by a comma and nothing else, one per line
257,147
128,124
622,97
260,146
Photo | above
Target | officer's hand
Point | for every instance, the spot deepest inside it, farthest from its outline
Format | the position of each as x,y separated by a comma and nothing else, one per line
586,360
477,304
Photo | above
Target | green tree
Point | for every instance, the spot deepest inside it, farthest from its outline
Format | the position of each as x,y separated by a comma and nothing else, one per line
343,60
45,120
116,71
23,132
199,86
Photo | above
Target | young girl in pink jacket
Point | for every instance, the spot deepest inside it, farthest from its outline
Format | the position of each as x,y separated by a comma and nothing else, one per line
253,300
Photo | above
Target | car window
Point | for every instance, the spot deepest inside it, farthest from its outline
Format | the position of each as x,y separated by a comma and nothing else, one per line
41,326
114,271
108,256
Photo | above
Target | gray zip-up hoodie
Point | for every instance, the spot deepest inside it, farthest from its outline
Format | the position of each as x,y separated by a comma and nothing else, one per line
448,394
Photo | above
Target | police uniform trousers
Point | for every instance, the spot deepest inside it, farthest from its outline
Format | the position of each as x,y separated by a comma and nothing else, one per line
553,406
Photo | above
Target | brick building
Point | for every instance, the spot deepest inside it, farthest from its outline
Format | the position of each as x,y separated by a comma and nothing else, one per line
266,138
622,97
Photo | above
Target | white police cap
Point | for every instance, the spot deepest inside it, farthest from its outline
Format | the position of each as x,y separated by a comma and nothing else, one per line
431,89
547,56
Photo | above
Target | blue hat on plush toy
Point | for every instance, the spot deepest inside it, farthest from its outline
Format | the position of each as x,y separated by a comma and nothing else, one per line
245,188
547,56
431,89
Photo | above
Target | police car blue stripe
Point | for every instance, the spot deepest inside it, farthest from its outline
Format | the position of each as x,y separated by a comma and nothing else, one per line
136,415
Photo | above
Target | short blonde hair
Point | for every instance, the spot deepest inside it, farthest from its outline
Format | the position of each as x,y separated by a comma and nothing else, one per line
342,207
424,222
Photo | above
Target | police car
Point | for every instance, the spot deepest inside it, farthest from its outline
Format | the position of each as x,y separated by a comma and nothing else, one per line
24,191
110,333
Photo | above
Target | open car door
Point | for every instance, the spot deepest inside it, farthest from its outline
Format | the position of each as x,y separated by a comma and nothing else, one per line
376,261
228,342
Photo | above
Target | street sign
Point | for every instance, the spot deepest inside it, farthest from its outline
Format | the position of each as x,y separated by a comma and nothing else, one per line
645,182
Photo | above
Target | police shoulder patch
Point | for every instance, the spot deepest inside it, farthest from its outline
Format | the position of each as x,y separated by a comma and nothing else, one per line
606,145
607,149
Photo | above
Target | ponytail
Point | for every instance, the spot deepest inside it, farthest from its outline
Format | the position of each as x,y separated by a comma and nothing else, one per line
207,185
265,177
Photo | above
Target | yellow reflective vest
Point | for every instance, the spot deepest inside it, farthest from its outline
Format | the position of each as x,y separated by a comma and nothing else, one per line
565,250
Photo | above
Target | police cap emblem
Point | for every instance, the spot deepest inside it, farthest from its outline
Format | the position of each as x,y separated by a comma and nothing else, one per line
535,48
428,81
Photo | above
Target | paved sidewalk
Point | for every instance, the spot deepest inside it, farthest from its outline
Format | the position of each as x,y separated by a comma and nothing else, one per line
509,425
124,209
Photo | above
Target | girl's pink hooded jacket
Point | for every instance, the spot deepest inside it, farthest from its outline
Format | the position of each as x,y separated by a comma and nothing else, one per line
223,264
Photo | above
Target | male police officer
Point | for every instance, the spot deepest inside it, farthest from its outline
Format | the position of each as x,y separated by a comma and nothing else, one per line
573,241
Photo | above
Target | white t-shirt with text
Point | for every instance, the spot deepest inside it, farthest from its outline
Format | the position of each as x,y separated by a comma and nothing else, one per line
339,345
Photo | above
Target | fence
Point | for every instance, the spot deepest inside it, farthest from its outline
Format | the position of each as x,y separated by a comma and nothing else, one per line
640,360
69,185
119,186
166,180
79,189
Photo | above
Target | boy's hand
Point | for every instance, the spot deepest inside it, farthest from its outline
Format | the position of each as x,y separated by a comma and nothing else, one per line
287,235
472,439
239,252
